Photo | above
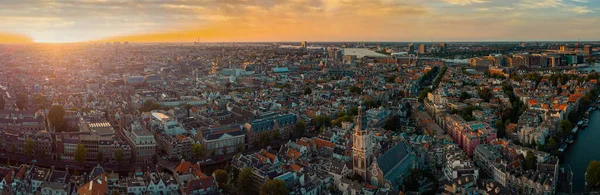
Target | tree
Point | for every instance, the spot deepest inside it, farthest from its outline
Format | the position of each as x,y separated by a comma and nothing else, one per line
276,134
56,116
119,156
411,182
100,157
80,153
300,128
273,187
221,177
149,105
530,161
501,129
39,100
565,127
465,96
212,153
307,91
116,192
244,181
424,93
240,148
265,139
28,148
188,107
2,102
198,150
485,94
355,89
22,101
592,174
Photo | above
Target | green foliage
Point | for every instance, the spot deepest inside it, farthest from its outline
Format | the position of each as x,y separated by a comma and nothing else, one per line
274,187
530,161
265,139
100,156
80,153
149,105
411,182
276,134
221,176
307,91
424,93
2,102
464,96
565,127
467,113
29,146
501,128
390,79
198,150
592,174
244,181
300,128
119,156
323,121
485,94
22,101
56,116
355,90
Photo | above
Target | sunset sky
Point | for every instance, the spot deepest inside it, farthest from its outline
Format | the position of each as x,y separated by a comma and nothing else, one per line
55,21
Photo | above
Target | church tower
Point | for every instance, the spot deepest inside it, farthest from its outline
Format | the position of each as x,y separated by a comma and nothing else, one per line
362,149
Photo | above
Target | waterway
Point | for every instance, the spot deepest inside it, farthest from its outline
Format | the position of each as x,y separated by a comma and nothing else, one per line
585,149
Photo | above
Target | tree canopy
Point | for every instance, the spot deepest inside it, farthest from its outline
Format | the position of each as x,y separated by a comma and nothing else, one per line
221,177
198,150
149,105
273,187
29,146
119,156
300,128
80,153
56,116
244,181
592,176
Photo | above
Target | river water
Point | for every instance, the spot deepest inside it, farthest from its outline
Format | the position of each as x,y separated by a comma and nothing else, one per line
585,149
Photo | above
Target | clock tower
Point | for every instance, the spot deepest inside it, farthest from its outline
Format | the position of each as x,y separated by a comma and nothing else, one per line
362,149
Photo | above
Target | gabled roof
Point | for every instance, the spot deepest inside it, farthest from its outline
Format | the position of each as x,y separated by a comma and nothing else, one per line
198,184
395,162
98,186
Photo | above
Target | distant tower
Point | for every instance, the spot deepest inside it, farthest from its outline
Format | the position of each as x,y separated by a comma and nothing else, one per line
562,48
587,49
442,47
362,148
304,44
422,48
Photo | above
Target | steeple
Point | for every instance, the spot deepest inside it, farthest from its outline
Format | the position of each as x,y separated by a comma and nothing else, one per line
360,116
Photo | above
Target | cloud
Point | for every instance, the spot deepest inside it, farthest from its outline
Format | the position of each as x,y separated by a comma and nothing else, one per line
533,4
464,2
581,10
12,38
580,1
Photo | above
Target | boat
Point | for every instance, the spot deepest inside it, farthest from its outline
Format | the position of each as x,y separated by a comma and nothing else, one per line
562,147
575,130
570,139
580,123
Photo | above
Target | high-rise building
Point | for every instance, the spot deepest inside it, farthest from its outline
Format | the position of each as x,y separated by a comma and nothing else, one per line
562,48
587,50
522,44
411,49
422,48
304,44
442,47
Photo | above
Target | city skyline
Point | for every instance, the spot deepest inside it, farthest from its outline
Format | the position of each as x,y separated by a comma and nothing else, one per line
298,20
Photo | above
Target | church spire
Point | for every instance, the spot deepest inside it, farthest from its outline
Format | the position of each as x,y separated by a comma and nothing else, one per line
360,116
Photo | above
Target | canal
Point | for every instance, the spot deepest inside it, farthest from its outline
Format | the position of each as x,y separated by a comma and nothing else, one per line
585,149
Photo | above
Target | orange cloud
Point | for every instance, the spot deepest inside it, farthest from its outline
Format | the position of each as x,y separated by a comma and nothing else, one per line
290,21
10,38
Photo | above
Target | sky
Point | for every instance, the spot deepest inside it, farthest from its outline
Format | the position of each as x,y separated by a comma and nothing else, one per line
58,21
